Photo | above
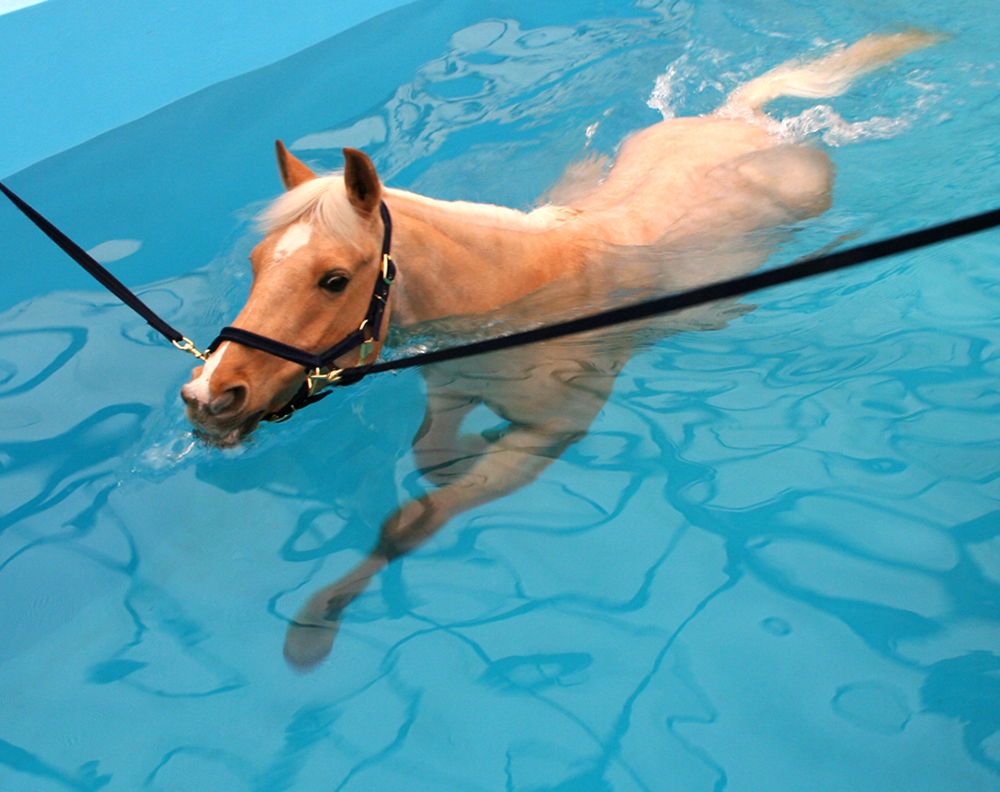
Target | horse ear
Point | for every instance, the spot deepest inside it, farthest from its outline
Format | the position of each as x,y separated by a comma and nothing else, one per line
293,171
361,180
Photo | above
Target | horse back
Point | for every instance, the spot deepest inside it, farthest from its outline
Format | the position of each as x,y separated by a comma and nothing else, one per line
694,177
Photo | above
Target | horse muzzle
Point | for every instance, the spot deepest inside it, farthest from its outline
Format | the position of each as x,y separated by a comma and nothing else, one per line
224,420
221,420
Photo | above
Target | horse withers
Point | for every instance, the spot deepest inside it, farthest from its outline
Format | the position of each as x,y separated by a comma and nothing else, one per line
691,194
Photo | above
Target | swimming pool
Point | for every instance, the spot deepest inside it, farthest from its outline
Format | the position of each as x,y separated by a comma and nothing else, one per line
774,562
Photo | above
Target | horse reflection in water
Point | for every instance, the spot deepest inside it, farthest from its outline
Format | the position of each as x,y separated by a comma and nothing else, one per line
692,195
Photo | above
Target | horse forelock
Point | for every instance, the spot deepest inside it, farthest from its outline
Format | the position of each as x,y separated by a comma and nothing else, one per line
322,200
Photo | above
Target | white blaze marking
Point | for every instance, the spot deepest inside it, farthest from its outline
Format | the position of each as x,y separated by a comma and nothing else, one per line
201,387
295,236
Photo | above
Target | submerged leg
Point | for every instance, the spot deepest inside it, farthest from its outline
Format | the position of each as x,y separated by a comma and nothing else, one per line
507,464
441,453
310,634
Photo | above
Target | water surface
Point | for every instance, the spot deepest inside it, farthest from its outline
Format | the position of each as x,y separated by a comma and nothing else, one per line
774,562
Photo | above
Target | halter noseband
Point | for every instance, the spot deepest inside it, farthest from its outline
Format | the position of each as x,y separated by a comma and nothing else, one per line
319,373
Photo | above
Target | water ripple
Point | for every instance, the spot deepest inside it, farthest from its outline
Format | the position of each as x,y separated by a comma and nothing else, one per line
781,532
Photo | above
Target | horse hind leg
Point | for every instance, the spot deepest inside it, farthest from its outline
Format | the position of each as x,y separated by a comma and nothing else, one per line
796,180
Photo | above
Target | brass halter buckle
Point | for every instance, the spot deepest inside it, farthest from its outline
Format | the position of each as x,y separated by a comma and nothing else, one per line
369,338
317,379
367,345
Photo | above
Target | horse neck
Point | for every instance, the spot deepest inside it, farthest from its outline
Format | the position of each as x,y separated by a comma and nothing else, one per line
457,257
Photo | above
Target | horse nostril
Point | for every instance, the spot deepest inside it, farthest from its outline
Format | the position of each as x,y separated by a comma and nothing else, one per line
189,395
230,401
194,396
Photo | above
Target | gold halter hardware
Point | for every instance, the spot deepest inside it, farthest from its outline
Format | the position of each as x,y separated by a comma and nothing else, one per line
187,345
317,379
369,343
366,346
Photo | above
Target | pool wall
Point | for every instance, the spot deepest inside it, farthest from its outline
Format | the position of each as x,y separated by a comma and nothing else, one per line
73,69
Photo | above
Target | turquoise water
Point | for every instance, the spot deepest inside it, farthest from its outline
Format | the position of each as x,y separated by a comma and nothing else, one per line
773,563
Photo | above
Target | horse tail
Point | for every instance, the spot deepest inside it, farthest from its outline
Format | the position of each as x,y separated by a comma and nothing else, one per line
828,76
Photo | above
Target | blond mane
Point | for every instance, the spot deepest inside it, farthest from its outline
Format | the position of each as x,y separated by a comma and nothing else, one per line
324,199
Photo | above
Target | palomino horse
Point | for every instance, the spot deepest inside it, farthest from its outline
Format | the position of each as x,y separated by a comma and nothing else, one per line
691,194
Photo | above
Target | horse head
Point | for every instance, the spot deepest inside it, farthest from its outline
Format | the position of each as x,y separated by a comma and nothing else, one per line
313,277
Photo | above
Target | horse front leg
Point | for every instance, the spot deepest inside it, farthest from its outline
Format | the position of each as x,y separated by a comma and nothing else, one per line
440,449
510,462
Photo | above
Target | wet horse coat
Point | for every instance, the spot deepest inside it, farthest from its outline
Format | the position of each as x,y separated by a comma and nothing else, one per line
691,194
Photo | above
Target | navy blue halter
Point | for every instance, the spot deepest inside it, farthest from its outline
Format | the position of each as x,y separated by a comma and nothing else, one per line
318,371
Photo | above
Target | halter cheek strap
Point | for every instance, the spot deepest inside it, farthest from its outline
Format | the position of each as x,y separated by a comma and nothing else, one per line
319,373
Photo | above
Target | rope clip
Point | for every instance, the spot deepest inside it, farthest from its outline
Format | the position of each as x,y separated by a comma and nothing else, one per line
187,345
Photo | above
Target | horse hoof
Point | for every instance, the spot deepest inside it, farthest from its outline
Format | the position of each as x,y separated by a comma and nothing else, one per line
307,645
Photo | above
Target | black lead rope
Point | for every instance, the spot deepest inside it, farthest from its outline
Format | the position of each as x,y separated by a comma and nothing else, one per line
371,327
106,279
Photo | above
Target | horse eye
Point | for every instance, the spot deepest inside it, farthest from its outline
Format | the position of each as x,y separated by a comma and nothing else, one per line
333,282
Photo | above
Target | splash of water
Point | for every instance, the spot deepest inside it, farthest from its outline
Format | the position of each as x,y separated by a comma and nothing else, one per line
690,75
